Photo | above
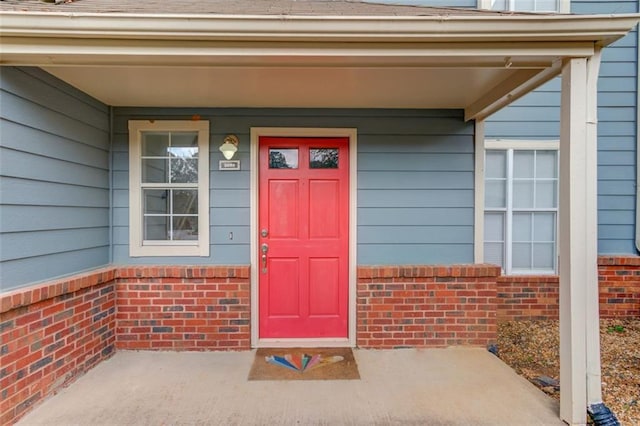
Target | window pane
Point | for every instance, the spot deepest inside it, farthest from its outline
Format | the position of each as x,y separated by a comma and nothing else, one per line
185,201
523,194
154,171
521,256
494,253
496,164
156,228
544,225
494,193
543,256
184,140
498,4
546,196
184,170
156,201
323,158
185,228
494,226
283,158
524,5
523,164
522,227
155,144
546,5
546,164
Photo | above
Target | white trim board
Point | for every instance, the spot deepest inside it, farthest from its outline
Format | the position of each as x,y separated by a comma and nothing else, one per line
256,133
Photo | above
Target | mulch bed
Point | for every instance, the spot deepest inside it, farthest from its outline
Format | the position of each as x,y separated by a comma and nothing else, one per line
531,348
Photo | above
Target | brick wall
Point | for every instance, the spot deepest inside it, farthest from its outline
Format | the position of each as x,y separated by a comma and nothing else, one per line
183,308
619,286
50,334
423,306
537,297
528,297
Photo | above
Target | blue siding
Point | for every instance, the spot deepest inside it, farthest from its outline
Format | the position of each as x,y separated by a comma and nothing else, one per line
537,116
54,178
415,182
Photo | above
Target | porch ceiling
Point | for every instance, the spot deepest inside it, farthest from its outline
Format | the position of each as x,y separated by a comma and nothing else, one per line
478,63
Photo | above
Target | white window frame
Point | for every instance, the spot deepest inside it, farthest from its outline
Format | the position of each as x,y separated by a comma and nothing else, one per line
137,246
517,145
564,5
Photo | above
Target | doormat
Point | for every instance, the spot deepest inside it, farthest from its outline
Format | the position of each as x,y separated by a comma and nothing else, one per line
304,364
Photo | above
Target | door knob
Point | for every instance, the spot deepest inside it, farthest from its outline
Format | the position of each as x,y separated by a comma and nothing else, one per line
264,233
264,248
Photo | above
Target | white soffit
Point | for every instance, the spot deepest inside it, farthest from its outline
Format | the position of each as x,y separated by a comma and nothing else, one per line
477,62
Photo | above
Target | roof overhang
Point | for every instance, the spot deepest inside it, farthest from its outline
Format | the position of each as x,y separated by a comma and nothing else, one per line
478,63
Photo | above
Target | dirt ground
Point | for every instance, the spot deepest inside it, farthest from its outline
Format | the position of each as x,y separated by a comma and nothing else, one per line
531,348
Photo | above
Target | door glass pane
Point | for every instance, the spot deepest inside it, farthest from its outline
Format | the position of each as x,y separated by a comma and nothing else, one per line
494,193
522,226
283,158
521,256
323,158
496,164
523,162
523,194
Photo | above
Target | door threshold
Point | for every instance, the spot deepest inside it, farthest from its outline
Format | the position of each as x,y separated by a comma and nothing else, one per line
305,343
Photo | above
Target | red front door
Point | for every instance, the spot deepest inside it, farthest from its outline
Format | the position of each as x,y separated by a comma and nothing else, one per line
303,237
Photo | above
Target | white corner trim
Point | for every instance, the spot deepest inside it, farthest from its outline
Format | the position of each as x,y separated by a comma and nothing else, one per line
352,134
478,226
137,247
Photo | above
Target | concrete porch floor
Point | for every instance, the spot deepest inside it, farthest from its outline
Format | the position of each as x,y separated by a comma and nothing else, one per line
455,386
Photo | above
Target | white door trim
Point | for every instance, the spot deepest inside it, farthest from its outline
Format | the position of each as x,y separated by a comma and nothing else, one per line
256,133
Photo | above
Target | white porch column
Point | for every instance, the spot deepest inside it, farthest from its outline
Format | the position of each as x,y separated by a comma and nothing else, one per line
579,344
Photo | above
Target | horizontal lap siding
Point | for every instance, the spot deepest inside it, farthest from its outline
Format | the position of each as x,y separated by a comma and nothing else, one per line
415,182
537,116
54,178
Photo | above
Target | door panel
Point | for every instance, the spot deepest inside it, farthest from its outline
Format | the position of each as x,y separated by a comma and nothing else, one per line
324,209
304,230
284,208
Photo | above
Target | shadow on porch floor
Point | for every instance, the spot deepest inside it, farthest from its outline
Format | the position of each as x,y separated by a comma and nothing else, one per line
456,386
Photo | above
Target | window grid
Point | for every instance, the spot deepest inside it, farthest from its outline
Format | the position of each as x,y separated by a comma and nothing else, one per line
508,211
169,188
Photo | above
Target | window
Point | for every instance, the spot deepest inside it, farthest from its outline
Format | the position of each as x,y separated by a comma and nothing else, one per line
169,188
562,6
521,209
